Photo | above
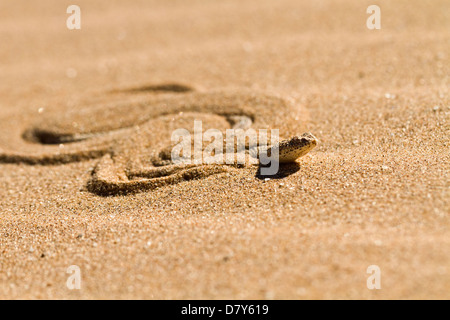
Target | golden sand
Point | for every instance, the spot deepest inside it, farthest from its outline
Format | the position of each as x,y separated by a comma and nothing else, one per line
374,192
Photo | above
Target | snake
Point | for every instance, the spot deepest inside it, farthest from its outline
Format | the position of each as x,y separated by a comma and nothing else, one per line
125,136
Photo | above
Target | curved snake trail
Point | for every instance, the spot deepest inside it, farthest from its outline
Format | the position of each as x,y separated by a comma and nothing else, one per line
127,136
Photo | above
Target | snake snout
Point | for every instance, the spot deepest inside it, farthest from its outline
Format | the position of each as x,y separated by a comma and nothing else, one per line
309,138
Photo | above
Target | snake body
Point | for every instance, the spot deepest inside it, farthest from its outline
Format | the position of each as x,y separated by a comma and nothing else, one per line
124,136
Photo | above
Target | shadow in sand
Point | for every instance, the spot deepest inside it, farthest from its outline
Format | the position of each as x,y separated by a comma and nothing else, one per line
285,170
165,87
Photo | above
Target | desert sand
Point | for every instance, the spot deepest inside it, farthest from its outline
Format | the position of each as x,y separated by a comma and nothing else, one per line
375,191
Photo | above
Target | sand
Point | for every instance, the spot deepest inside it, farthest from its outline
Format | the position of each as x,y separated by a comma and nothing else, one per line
375,191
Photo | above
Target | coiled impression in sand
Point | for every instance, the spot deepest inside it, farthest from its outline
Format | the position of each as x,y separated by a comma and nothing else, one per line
133,141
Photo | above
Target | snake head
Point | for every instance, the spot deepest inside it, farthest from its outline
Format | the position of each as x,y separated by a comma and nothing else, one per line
291,149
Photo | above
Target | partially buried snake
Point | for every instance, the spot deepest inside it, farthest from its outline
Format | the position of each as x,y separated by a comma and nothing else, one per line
127,137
